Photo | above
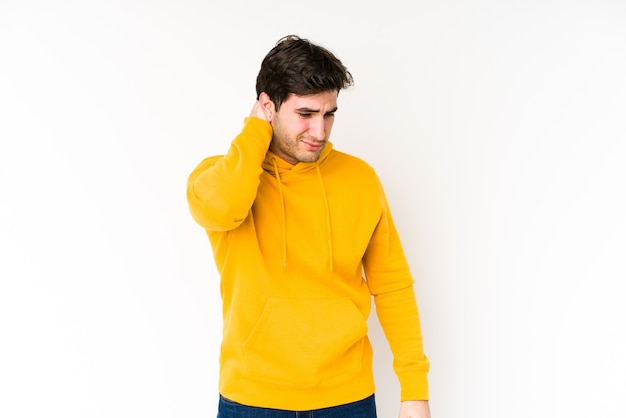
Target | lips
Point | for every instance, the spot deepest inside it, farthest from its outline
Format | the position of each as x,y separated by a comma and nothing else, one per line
312,146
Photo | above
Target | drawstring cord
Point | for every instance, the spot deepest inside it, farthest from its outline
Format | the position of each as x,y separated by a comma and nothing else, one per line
284,221
328,230
282,212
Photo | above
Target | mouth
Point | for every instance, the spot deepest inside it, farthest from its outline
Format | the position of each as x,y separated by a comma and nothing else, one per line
313,146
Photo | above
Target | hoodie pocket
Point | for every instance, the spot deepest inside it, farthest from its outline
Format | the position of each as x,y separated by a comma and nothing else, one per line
304,342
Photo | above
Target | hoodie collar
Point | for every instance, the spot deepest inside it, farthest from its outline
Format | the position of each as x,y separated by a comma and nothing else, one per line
272,161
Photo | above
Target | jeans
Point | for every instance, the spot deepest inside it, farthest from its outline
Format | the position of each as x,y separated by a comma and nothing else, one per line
360,409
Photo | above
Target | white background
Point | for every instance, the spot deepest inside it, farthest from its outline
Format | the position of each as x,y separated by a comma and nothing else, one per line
497,128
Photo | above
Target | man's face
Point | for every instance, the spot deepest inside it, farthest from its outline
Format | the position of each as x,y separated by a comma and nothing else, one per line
302,126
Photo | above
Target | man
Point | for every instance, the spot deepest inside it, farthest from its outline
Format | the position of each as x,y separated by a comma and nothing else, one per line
303,238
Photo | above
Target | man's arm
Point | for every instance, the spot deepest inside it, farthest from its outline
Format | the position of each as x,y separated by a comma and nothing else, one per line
222,189
390,281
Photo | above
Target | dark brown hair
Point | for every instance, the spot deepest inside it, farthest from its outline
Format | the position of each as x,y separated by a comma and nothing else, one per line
298,66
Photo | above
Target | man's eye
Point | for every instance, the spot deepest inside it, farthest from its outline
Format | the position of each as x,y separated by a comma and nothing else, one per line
305,115
329,115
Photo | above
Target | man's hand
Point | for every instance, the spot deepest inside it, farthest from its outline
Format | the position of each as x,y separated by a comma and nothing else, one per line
414,409
263,108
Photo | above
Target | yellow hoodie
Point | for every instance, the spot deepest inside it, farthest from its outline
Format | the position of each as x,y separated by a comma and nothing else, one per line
301,250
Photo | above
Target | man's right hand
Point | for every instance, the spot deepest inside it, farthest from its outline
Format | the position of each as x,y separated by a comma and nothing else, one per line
263,108
257,112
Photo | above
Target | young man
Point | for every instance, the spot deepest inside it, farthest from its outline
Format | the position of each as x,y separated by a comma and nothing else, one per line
303,238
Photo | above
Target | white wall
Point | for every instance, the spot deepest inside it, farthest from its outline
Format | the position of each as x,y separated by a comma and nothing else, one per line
496,126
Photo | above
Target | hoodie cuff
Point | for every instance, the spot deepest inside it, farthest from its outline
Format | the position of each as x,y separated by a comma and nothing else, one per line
414,386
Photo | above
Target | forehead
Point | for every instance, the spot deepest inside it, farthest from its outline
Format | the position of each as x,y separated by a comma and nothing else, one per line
319,101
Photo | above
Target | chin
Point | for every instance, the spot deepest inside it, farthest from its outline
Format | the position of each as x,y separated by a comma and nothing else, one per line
309,158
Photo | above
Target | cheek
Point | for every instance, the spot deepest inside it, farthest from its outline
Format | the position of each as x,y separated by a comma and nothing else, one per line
299,127
290,124
329,125
303,125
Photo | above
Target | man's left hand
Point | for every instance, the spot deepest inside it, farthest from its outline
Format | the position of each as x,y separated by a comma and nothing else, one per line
414,409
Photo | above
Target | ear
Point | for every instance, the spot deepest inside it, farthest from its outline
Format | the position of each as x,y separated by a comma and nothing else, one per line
267,105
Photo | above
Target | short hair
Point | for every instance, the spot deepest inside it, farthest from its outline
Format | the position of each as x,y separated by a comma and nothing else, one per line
298,66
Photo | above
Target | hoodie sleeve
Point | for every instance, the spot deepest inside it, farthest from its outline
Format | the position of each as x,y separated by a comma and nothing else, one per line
222,189
390,281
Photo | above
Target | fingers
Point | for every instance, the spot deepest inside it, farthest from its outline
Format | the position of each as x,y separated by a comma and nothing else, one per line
257,111
263,108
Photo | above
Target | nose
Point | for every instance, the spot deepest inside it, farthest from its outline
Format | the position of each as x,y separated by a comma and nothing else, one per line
317,128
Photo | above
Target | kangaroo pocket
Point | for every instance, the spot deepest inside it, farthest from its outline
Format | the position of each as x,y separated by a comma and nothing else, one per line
304,342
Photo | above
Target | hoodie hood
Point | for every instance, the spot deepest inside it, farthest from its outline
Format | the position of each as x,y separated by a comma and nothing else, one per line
283,167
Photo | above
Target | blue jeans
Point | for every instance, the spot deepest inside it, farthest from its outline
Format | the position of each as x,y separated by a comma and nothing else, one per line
360,409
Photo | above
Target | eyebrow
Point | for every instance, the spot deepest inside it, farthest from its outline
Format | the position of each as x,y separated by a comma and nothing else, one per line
309,110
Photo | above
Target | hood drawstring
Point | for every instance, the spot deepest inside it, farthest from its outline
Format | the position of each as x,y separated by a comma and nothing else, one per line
284,220
282,212
328,229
